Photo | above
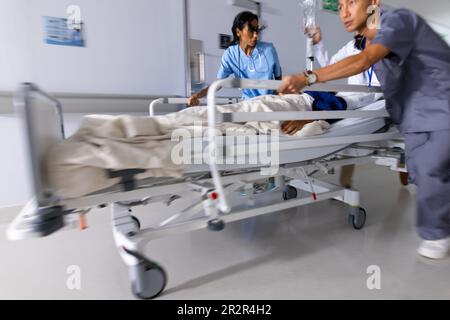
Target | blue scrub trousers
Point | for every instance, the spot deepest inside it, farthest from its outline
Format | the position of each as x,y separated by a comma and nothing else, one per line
428,162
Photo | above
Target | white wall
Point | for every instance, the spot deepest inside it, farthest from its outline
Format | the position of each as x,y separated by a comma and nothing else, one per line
284,19
15,58
133,47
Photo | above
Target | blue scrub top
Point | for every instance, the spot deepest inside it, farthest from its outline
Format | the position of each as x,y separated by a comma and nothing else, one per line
415,76
263,64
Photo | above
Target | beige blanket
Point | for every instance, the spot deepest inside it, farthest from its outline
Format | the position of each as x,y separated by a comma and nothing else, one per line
76,166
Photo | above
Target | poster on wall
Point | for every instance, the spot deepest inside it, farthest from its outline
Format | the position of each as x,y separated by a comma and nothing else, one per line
58,32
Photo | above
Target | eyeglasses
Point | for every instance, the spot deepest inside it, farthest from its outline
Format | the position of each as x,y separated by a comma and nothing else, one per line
253,29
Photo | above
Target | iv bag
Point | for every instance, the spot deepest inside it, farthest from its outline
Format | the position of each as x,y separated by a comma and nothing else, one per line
309,14
309,25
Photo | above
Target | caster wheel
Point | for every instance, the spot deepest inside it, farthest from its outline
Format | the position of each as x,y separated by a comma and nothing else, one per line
289,193
137,222
404,178
149,280
357,218
216,225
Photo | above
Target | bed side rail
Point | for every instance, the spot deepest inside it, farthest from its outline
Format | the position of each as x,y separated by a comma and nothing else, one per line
304,115
153,107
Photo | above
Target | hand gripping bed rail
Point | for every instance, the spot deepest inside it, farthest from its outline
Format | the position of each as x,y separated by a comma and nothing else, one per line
214,118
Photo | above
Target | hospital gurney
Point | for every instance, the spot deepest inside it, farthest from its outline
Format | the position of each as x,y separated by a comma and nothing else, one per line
213,184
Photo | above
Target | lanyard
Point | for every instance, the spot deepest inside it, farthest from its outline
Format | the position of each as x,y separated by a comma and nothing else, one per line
370,73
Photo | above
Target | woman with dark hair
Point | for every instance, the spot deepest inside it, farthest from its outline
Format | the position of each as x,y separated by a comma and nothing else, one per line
246,58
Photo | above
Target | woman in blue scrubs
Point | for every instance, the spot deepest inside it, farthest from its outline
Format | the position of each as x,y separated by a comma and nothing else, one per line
246,58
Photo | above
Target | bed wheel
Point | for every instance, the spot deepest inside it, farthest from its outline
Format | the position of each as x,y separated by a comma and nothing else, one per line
289,193
216,225
357,218
47,221
137,222
404,178
149,279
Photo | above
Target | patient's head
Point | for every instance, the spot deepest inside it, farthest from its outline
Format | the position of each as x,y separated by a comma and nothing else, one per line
354,15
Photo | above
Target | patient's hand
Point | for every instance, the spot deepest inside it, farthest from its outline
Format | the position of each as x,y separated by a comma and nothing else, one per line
293,126
193,101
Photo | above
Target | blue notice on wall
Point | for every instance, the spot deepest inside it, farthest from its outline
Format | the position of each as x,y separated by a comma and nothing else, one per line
57,32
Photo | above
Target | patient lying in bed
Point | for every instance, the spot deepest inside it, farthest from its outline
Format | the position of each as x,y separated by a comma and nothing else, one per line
77,165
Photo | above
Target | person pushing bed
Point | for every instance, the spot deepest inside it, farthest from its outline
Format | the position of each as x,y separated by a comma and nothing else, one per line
412,63
247,58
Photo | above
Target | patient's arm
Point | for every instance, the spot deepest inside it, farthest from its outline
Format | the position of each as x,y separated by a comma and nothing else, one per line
194,100
345,68
293,126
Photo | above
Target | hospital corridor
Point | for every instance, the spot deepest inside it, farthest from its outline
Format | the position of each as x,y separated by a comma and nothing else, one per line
245,151
304,253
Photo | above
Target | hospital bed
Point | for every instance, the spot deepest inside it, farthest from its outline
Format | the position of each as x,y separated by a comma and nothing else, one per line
363,136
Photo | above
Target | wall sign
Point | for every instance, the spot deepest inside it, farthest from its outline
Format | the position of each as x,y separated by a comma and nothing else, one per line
58,32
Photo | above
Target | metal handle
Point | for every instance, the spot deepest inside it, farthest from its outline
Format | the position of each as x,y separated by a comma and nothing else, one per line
151,108
201,67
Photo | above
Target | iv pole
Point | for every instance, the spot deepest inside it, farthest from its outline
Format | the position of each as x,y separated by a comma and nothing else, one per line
309,22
